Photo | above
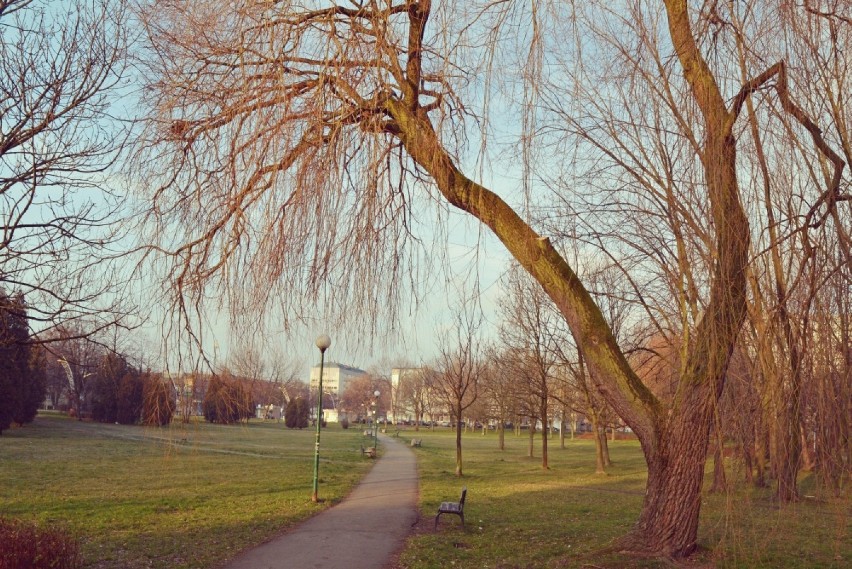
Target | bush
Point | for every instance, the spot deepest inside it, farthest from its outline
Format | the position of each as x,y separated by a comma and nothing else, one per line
296,416
29,546
131,391
226,401
344,423
158,403
116,392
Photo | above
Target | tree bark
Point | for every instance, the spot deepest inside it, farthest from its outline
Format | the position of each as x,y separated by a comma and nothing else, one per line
673,497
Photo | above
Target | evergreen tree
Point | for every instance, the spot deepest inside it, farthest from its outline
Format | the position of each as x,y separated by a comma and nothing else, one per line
21,386
32,387
130,398
7,365
296,415
106,386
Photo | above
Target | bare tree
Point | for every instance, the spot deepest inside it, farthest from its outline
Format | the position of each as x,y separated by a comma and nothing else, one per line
459,367
413,393
500,391
528,336
360,395
60,72
78,354
287,146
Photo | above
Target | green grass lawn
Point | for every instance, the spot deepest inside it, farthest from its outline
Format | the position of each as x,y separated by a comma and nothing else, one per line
194,495
520,516
180,497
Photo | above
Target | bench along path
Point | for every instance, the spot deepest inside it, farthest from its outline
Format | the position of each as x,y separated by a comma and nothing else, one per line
361,532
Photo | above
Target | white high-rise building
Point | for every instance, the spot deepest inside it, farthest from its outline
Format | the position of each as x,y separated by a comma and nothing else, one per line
335,377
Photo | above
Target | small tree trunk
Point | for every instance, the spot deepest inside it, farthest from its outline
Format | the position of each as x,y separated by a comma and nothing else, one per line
458,441
600,462
531,446
760,451
545,434
719,482
748,462
808,456
604,447
501,438
788,459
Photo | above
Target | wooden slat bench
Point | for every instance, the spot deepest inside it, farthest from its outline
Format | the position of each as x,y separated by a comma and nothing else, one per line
416,442
369,451
455,508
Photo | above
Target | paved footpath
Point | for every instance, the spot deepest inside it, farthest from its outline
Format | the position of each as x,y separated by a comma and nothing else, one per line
361,532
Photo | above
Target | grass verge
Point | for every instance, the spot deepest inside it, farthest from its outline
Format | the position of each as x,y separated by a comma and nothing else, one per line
520,516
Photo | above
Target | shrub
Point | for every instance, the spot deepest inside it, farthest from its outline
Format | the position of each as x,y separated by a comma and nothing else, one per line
130,399
103,398
116,392
344,423
296,416
29,546
226,401
158,404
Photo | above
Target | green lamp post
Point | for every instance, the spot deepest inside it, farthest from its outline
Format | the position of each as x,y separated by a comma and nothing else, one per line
376,421
323,342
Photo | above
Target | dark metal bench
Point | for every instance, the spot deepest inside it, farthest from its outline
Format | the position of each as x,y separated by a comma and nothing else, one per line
455,508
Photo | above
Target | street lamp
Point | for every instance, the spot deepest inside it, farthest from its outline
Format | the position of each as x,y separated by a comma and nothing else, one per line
323,342
376,420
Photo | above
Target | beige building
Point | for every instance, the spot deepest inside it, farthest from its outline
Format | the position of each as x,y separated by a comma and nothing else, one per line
335,378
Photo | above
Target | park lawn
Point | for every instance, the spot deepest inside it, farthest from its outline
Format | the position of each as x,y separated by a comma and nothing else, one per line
185,496
521,516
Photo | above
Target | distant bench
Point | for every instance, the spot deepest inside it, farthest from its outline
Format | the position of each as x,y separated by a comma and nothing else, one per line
455,508
416,442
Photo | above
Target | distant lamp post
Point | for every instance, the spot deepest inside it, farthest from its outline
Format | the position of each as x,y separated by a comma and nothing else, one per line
376,420
323,342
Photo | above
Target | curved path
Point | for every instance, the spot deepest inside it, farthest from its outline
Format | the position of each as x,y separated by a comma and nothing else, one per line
361,532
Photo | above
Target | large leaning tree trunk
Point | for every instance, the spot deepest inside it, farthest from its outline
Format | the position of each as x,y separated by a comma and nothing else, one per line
674,442
297,136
